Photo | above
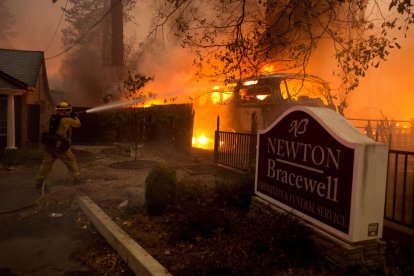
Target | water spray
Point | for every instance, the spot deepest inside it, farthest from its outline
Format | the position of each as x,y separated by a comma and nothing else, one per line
114,105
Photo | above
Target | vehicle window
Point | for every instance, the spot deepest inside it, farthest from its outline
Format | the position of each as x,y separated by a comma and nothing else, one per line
221,97
254,92
298,89
215,97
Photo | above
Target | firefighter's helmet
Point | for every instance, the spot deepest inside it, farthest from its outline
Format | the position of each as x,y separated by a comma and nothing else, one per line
64,106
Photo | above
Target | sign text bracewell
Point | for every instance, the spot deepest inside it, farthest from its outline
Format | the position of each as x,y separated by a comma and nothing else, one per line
305,165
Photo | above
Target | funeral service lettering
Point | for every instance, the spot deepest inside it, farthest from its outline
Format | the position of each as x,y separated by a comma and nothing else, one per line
303,166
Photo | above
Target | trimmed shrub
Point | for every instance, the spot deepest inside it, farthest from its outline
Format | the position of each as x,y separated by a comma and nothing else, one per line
236,192
160,189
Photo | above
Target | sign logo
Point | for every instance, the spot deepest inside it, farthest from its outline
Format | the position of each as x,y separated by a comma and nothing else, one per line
298,128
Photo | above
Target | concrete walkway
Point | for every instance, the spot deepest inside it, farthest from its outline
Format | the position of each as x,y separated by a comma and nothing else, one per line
36,239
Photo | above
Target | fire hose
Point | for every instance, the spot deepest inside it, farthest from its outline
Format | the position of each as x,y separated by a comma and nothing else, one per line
42,193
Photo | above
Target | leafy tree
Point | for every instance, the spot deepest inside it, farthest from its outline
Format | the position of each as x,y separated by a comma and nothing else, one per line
133,84
237,38
6,23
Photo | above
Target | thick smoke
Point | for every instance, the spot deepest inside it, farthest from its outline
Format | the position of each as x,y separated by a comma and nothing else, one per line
387,89
174,75
86,80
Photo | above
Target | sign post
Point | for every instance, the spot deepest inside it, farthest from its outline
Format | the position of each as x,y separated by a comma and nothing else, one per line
312,162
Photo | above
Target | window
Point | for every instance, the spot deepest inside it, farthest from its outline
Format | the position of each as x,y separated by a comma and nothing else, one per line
255,92
299,89
3,115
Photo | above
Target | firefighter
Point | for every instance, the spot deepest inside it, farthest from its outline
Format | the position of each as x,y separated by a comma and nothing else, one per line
58,143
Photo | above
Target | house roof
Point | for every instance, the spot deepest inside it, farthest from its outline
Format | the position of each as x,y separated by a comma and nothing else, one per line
19,68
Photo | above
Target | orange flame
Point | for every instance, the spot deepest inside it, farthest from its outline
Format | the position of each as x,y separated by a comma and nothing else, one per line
202,142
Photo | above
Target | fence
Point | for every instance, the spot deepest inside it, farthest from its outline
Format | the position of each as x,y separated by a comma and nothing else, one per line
399,201
237,150
397,134
172,124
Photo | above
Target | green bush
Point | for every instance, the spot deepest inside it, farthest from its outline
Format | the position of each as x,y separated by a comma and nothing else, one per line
237,191
160,189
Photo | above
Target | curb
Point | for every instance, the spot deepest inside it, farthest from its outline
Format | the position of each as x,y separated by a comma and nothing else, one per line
138,260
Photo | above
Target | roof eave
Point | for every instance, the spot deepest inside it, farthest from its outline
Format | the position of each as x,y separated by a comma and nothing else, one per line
19,84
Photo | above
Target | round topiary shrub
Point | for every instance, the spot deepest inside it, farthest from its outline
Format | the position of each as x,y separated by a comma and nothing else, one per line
160,189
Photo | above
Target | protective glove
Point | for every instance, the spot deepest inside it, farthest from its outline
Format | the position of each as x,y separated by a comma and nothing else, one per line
73,114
